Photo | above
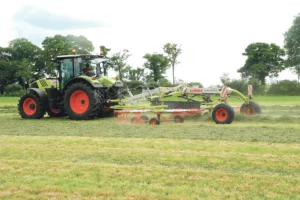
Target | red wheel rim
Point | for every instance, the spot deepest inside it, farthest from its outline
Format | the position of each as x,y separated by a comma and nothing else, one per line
153,122
221,114
56,111
177,119
249,110
79,102
29,106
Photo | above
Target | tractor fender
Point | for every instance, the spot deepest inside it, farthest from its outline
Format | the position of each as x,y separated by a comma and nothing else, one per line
75,80
41,94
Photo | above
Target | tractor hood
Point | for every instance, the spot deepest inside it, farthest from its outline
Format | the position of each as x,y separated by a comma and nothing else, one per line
109,82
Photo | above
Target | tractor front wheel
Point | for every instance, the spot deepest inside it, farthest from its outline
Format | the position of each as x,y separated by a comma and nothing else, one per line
30,107
223,114
81,102
250,109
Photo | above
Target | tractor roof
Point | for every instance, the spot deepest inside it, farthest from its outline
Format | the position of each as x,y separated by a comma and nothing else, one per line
83,56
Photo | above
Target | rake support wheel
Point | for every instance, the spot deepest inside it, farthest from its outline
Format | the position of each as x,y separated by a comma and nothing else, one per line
250,109
154,121
223,114
178,119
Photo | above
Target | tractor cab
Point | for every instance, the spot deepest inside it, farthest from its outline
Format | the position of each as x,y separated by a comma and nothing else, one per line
92,68
72,66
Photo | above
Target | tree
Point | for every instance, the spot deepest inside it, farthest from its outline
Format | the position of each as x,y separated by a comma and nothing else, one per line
22,48
9,71
133,74
172,51
104,50
118,61
8,67
80,43
157,64
225,78
63,45
263,60
292,46
20,61
196,84
24,72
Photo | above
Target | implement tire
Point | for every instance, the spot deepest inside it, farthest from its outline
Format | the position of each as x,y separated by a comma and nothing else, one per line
153,121
178,119
250,109
31,107
144,119
223,114
81,102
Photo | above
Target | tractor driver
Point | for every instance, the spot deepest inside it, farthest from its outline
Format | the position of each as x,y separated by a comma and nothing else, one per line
88,70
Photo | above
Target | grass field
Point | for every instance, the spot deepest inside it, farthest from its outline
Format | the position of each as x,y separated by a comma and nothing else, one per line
252,158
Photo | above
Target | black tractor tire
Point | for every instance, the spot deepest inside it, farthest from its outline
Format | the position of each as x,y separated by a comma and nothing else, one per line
30,106
178,119
154,121
144,119
223,114
56,113
250,109
81,102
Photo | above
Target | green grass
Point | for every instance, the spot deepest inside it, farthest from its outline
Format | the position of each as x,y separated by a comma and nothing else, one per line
252,158
278,100
9,101
43,167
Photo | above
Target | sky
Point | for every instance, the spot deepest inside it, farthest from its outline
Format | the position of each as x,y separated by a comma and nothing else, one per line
212,34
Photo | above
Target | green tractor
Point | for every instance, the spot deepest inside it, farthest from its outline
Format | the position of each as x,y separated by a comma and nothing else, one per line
73,93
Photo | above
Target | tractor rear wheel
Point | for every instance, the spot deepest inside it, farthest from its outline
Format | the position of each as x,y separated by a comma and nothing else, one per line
223,114
30,107
81,102
250,109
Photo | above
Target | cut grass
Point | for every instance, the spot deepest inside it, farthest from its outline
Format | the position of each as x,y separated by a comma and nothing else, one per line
267,130
123,168
252,158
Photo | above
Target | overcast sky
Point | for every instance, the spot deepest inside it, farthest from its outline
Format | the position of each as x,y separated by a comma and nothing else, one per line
213,34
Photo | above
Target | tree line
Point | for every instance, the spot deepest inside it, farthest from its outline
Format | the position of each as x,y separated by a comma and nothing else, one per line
22,61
